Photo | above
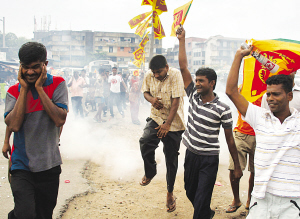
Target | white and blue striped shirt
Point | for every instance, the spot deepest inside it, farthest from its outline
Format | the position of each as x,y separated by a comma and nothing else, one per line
277,154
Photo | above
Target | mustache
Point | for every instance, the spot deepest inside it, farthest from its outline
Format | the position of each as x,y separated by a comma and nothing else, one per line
34,74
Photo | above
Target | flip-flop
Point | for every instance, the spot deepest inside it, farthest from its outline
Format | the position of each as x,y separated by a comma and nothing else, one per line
171,207
145,181
233,208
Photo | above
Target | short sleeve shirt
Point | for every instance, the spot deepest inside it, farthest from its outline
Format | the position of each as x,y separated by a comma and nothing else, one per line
35,146
171,87
277,153
204,121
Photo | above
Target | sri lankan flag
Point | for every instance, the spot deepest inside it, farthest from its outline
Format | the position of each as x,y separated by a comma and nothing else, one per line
141,29
137,19
157,27
179,16
157,5
285,53
144,41
136,72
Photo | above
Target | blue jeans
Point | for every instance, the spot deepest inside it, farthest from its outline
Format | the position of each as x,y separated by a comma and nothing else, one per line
77,105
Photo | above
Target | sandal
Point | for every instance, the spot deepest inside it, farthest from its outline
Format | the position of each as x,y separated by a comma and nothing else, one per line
145,181
171,207
233,208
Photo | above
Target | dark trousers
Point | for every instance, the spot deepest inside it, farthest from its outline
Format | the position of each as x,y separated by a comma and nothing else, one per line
77,105
115,98
200,172
149,142
35,194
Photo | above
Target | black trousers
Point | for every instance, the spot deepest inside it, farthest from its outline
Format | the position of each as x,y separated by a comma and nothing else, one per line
35,194
200,172
149,142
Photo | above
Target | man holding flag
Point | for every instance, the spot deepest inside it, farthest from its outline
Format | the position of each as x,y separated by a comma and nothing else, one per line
276,192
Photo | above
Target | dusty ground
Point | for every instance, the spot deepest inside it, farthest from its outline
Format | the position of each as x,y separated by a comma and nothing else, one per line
103,163
115,191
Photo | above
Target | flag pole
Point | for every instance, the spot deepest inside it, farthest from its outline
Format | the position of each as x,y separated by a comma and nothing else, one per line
152,39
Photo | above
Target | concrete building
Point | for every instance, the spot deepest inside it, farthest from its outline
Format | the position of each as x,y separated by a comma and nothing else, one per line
216,52
77,48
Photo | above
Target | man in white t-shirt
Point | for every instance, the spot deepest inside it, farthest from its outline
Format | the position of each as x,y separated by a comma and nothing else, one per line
115,81
276,192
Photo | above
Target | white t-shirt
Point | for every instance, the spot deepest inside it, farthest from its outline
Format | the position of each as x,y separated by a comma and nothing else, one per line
115,82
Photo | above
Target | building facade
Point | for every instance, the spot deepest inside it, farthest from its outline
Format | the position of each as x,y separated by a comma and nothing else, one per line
76,48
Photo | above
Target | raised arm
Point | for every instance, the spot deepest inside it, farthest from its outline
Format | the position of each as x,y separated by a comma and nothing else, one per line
183,64
232,82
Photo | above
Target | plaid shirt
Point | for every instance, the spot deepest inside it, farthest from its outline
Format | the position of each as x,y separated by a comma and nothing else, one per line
171,87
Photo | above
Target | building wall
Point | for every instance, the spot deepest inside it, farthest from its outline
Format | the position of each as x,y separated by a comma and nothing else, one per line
71,48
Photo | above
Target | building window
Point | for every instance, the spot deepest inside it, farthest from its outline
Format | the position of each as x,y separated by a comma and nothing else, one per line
132,49
111,49
189,44
156,41
132,40
203,62
121,59
203,53
122,49
121,39
100,47
224,44
159,51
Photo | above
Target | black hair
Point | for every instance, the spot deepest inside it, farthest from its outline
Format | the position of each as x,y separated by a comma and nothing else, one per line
285,80
114,68
32,52
157,62
209,73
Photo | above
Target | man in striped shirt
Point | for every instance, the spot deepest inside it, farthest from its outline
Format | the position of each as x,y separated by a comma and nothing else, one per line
276,192
206,114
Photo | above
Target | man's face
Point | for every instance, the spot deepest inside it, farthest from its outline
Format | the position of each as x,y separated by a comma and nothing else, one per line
277,98
32,71
114,70
203,85
160,73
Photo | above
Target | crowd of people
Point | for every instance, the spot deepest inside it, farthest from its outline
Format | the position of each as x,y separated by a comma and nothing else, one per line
102,91
37,107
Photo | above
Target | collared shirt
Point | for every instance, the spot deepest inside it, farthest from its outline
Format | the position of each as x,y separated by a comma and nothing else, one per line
76,87
171,87
35,145
277,154
204,120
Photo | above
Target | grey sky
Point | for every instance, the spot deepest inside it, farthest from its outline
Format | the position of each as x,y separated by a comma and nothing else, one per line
258,19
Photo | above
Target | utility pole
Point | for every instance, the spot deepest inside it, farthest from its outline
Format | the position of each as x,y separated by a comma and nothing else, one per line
3,37
151,40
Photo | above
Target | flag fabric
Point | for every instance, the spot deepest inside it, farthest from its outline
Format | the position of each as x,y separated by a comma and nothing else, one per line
147,2
159,6
179,17
284,53
141,29
138,54
144,40
136,72
137,63
157,27
138,19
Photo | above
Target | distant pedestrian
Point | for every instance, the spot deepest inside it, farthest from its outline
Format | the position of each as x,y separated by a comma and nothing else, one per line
76,85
